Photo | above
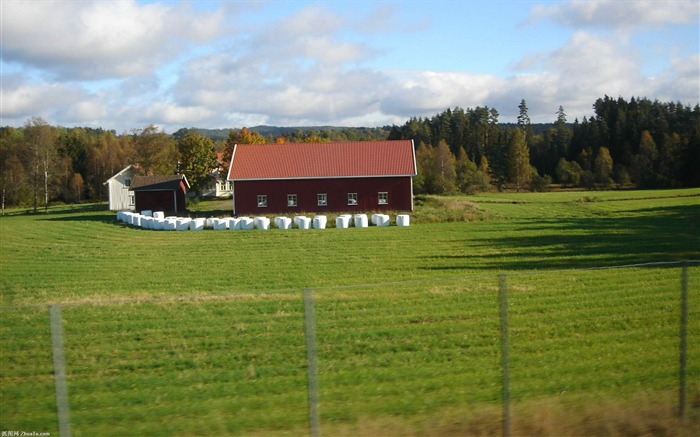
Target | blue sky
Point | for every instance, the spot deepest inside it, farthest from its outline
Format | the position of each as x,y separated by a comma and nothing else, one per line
124,65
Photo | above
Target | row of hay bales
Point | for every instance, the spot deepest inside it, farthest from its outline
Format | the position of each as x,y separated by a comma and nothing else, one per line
157,221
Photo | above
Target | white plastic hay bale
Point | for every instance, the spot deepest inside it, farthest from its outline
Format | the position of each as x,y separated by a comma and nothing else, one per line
374,218
403,220
158,224
383,220
146,222
361,220
136,220
158,215
170,224
247,223
285,223
219,224
183,224
261,223
320,222
298,219
197,224
278,221
209,222
227,221
343,221
234,224
147,213
304,223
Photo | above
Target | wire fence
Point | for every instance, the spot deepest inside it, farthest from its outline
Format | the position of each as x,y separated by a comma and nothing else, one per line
317,358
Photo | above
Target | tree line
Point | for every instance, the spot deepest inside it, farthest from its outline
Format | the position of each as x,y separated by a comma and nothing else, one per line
40,163
636,143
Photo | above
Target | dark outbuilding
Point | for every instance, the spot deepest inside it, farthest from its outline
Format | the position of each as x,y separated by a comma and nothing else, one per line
160,193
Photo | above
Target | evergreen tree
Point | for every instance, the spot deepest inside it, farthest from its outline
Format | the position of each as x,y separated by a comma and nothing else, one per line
523,117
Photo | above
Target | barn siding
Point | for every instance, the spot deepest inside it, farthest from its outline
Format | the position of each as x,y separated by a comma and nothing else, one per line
160,200
367,189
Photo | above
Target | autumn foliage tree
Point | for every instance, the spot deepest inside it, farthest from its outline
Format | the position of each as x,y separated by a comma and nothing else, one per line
519,172
197,159
154,151
238,136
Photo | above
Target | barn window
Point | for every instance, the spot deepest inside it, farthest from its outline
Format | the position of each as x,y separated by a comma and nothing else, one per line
322,199
291,200
262,200
127,182
132,199
352,198
383,198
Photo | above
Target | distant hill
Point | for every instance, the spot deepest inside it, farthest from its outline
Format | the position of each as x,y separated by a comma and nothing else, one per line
298,133
333,133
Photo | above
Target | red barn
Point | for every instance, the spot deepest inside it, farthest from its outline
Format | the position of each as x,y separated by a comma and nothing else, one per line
160,193
322,177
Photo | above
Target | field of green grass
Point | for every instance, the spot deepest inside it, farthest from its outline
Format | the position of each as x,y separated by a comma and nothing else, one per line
202,333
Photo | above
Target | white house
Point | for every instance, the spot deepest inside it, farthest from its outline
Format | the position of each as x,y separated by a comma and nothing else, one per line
218,186
120,198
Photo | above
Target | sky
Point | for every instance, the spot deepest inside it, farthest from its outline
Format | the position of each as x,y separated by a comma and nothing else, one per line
125,65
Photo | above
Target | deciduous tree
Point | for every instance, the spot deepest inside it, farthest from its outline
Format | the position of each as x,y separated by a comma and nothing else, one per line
197,159
444,170
39,155
603,167
518,162
154,151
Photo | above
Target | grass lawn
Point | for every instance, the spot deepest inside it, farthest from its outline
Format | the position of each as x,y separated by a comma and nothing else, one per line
202,333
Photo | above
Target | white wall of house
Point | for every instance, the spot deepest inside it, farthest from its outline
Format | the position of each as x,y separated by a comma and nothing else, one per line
217,187
120,198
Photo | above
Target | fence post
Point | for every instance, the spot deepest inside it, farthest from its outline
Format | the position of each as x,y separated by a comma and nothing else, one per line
684,341
310,325
505,360
59,371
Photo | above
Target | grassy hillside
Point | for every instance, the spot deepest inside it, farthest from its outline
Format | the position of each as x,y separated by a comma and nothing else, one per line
202,333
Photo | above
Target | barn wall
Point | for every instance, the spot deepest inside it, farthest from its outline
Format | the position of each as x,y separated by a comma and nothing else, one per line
160,201
367,189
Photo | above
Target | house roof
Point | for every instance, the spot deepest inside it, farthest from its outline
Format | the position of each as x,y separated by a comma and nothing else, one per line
322,160
129,167
157,182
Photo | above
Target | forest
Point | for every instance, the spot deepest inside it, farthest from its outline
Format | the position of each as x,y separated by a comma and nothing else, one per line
625,144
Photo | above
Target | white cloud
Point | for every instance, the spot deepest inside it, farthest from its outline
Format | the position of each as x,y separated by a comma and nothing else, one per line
618,14
98,39
22,99
172,114
424,93
174,66
681,82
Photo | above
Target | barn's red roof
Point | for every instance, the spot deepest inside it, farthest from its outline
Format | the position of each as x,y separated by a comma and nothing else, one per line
322,160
